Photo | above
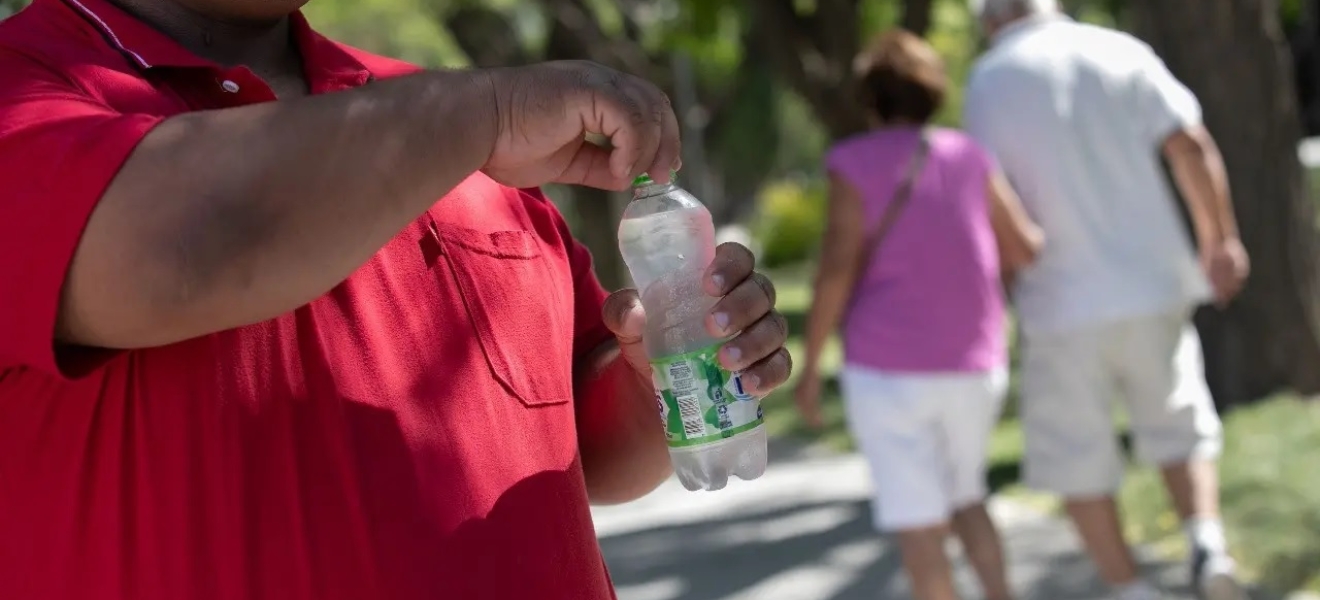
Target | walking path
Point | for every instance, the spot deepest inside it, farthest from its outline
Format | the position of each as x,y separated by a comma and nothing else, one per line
802,532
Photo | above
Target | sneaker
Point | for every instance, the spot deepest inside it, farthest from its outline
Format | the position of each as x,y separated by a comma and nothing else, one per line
1214,576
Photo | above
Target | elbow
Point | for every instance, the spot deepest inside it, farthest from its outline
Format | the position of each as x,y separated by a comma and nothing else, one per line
1032,245
626,471
1023,254
1192,145
833,269
622,489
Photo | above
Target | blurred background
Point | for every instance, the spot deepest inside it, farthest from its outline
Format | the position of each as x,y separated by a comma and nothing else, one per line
762,87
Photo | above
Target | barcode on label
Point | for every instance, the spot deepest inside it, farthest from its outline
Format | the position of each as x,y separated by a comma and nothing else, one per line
689,408
689,404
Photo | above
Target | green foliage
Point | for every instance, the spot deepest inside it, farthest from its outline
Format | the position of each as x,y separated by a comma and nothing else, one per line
753,124
710,32
9,7
804,140
954,35
790,221
404,29
1290,12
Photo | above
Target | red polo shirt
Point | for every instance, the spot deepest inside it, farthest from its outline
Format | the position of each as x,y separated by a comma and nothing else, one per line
408,436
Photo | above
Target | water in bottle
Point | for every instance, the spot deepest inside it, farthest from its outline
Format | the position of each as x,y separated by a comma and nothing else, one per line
713,425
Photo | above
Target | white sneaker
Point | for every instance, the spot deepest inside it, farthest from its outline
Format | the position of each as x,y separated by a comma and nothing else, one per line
1214,576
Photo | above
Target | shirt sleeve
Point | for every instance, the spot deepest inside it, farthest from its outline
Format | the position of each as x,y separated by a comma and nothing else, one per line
976,117
1163,104
59,150
839,161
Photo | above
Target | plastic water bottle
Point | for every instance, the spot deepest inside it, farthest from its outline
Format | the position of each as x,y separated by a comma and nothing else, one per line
713,425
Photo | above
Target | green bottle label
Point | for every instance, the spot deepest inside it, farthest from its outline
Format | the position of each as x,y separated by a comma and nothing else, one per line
700,401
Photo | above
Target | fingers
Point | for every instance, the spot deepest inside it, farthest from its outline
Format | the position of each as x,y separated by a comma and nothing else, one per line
623,315
589,165
733,264
668,156
747,303
640,122
757,342
768,373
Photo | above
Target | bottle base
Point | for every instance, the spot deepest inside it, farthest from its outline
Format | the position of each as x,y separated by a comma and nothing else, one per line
709,467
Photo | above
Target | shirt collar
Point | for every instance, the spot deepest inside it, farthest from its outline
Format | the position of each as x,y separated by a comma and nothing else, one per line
1025,24
146,48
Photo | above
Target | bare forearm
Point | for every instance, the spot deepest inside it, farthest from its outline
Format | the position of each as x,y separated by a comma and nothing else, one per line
620,436
240,215
1202,180
828,304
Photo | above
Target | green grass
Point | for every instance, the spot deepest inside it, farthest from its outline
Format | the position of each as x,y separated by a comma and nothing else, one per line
1270,469
1270,492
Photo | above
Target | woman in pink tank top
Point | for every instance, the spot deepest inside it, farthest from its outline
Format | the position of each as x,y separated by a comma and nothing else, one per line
921,310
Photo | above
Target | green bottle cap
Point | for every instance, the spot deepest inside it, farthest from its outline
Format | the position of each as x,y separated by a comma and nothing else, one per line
645,179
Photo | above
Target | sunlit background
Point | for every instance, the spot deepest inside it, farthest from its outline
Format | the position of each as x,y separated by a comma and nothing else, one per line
762,88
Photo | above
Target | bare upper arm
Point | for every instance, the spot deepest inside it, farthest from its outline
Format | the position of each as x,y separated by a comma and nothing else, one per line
845,226
1193,142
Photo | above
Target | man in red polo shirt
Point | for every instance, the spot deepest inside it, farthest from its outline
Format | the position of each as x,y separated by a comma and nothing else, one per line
245,353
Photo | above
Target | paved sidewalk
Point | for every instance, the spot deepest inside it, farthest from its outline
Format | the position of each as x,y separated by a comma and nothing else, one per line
802,532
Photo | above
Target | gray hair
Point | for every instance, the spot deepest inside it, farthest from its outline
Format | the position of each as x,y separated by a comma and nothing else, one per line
999,9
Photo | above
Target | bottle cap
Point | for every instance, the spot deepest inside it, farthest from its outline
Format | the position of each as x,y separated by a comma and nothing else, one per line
645,179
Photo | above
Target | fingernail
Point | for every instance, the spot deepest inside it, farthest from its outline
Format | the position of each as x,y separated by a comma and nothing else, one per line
732,354
751,382
718,280
722,321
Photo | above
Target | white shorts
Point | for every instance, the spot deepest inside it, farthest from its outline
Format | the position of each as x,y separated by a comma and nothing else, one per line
1070,381
925,437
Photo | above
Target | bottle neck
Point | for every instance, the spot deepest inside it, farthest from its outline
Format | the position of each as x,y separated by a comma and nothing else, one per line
651,189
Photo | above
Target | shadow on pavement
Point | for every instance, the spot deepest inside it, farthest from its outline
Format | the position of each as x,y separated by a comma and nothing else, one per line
828,551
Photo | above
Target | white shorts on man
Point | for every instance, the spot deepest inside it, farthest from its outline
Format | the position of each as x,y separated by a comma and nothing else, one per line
1071,383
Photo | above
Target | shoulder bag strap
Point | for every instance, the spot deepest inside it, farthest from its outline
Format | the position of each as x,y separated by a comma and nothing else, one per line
899,201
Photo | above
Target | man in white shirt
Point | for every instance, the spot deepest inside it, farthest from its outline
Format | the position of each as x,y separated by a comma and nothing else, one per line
1079,116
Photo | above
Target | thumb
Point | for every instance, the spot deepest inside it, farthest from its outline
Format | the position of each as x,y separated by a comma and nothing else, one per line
589,165
624,317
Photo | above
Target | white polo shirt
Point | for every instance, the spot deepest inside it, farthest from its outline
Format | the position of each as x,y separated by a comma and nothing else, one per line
1076,115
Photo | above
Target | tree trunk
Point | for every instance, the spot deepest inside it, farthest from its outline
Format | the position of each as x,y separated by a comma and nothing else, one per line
486,37
916,16
598,213
1305,43
814,56
574,35
1233,55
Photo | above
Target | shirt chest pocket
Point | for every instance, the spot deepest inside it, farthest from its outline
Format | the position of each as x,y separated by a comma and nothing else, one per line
514,297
